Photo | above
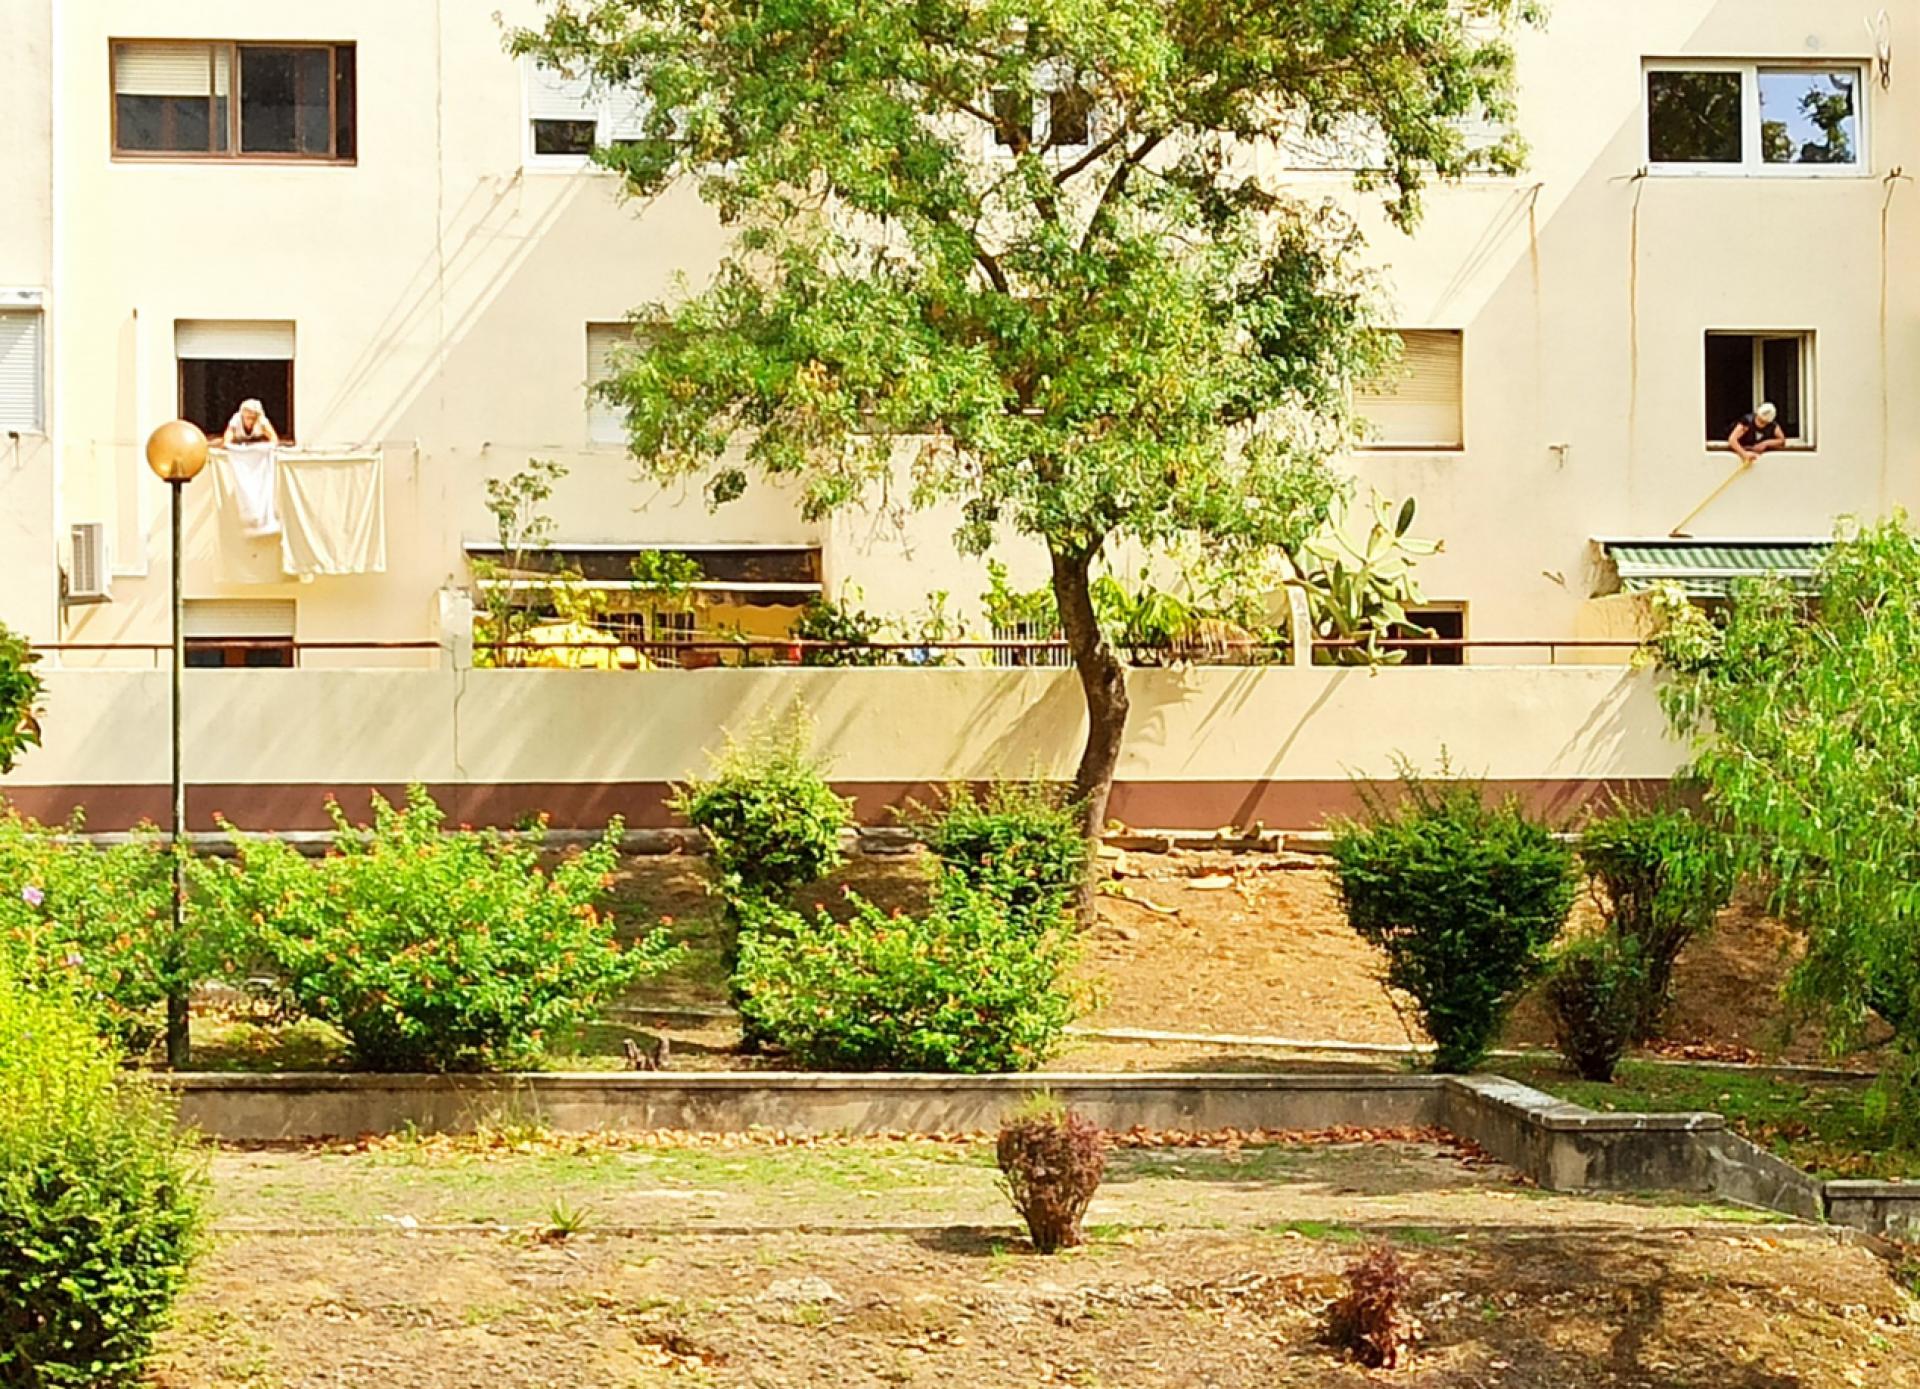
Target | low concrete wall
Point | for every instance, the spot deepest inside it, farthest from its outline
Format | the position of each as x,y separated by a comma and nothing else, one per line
1205,747
265,1108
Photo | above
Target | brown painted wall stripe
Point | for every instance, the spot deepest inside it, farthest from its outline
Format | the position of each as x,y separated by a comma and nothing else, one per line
1197,805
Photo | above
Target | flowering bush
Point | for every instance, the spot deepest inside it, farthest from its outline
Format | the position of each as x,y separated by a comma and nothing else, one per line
431,951
20,689
97,921
99,1201
968,986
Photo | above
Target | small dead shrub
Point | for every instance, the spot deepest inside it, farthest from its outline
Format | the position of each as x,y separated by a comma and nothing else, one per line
1369,1321
1051,1162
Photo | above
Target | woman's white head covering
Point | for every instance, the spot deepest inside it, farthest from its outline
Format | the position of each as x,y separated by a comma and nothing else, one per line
1766,414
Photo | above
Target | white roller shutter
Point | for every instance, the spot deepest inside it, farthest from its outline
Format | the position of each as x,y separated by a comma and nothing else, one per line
1418,406
553,95
237,617
605,424
168,69
21,369
626,112
233,340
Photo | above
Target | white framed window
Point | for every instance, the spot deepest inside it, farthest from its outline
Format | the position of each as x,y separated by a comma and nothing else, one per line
605,423
23,360
568,115
1796,119
1417,404
1059,118
1747,369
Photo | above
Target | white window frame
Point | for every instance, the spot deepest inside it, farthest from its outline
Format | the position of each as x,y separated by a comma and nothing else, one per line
1050,80
1371,444
27,305
1808,439
1752,164
615,116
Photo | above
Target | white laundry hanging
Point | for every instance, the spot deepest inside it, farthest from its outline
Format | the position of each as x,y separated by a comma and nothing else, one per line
251,480
333,512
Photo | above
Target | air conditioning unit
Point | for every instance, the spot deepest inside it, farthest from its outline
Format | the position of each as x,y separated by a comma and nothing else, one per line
89,578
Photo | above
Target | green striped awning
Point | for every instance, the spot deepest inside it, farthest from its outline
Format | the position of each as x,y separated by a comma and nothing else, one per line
1708,568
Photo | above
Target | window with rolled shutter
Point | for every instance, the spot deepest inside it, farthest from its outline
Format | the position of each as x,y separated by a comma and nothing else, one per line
22,353
605,424
568,115
1417,405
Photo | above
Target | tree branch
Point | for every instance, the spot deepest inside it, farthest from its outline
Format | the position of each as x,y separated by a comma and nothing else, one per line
1117,185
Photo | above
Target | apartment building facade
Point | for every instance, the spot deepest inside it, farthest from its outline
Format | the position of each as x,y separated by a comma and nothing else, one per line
374,220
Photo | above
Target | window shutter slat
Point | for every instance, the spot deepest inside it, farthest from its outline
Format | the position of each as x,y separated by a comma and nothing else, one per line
233,340
237,617
553,95
21,369
167,69
605,425
1419,406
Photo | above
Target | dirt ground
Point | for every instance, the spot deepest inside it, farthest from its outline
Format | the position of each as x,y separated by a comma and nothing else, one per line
1210,1267
1256,944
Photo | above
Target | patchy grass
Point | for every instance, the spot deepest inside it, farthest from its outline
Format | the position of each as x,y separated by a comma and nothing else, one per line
1823,1128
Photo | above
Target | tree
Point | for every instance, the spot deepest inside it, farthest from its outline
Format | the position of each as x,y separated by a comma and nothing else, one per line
1041,241
1804,713
20,690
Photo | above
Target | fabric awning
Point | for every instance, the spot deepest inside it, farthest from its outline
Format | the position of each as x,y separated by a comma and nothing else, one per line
1709,568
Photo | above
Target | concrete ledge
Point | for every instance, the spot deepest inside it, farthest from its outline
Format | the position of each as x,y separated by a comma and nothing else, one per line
1880,1208
244,1108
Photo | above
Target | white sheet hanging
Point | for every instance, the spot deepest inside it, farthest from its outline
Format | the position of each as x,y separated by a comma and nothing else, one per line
333,514
250,479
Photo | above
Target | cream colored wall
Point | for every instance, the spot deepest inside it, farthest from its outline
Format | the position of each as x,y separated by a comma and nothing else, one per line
441,291
29,583
879,725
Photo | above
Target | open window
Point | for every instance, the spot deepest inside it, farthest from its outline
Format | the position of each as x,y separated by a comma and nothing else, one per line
196,99
1745,369
1059,117
568,116
223,362
238,634
1417,403
1722,117
1435,622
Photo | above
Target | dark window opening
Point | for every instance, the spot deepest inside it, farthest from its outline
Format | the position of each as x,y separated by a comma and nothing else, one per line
290,100
1744,370
1070,116
1695,117
211,389
238,653
563,137
1012,119
1440,623
286,101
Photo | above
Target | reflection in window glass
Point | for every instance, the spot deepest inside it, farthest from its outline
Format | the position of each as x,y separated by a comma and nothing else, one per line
1809,117
1694,117
286,100
1070,116
1012,116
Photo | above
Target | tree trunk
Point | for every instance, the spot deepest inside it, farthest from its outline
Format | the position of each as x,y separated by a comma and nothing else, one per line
1103,680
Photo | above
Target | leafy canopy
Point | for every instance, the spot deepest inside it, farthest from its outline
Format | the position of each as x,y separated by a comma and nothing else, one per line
1805,716
1043,237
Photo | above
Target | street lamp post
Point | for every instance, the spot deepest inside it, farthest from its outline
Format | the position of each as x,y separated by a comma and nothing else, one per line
176,452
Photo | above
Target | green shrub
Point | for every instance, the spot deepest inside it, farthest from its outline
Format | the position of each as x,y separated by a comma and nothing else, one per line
1024,843
771,822
431,951
1462,897
98,922
1596,991
20,690
967,986
99,1201
1659,877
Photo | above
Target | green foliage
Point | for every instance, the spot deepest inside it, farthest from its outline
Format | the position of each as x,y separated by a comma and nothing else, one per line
1659,876
1358,587
97,923
1596,990
1051,1160
771,821
431,951
1462,897
1805,720
99,1201
1147,340
1008,607
965,986
824,619
20,690
525,533
1023,842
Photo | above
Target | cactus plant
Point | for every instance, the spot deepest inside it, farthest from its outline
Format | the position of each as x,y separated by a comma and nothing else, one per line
1358,587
